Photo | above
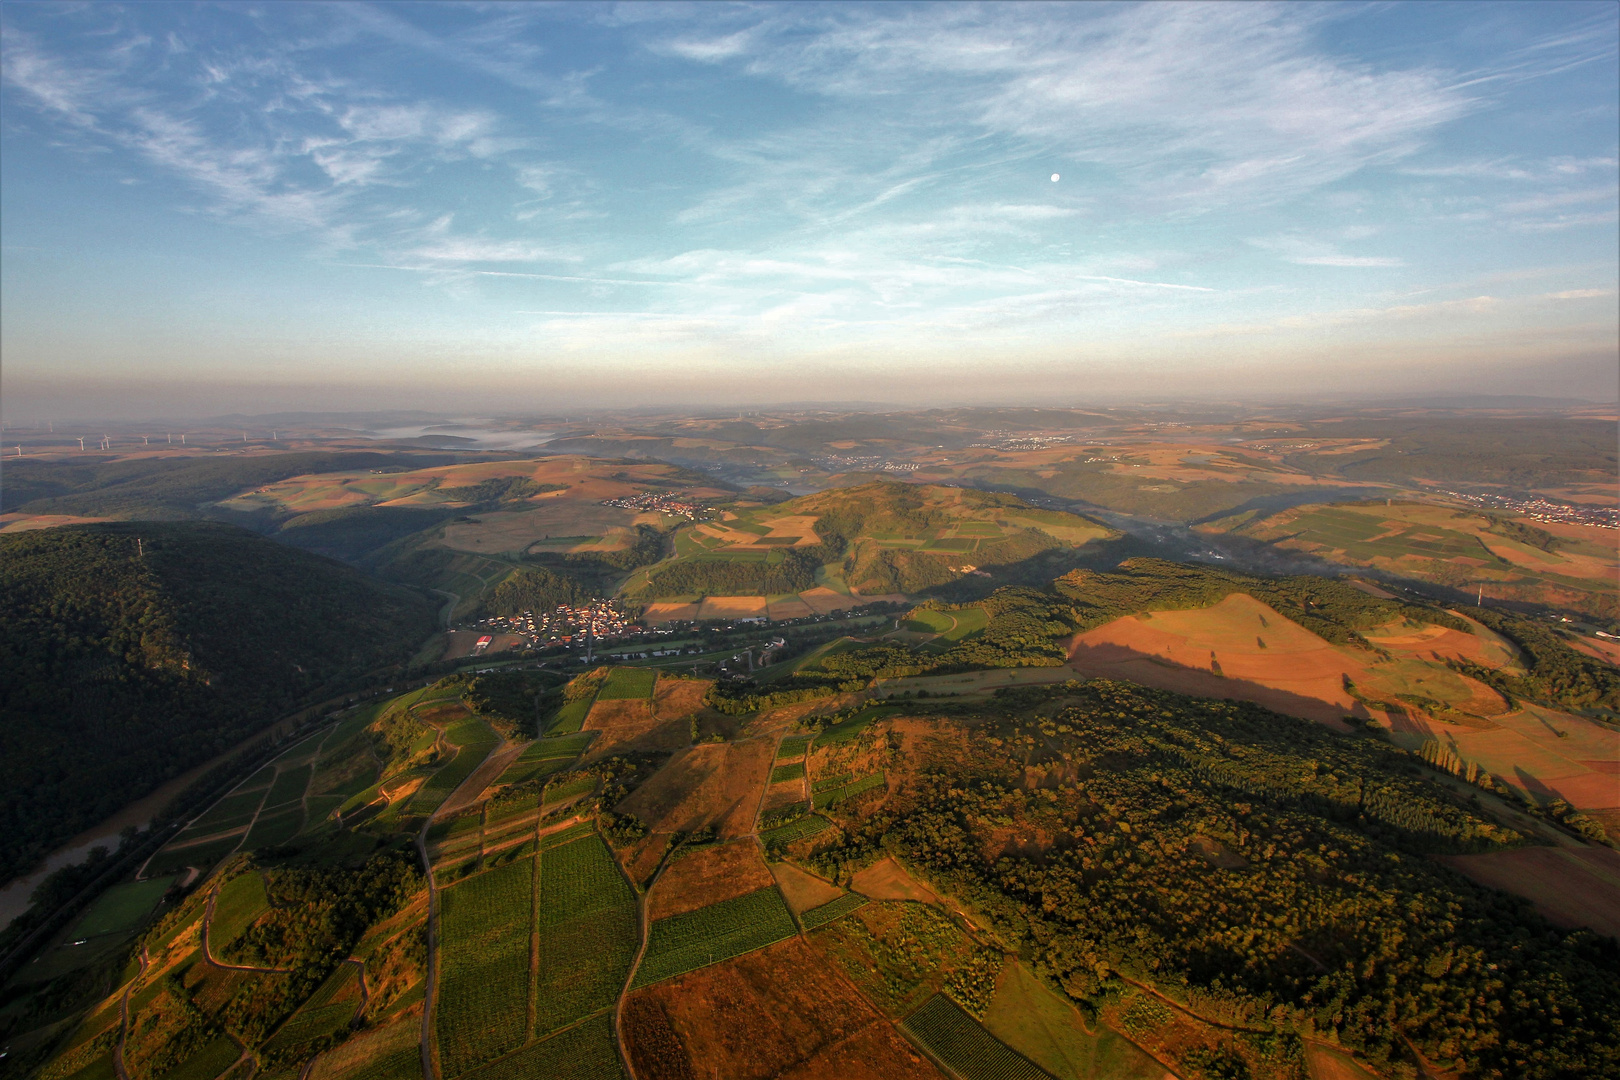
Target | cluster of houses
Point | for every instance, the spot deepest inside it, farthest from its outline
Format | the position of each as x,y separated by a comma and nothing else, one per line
599,620
675,504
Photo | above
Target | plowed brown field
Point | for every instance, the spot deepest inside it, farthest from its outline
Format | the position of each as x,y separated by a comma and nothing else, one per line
707,876
710,784
631,724
779,1012
803,890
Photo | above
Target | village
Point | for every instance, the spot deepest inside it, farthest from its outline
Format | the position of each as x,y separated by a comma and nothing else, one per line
676,504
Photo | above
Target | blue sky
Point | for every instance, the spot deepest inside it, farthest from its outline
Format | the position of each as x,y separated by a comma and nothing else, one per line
533,206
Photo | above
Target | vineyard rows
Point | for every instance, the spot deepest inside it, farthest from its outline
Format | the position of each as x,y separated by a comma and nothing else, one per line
793,746
696,939
794,831
849,790
585,1052
484,966
588,932
942,1028
833,909
783,773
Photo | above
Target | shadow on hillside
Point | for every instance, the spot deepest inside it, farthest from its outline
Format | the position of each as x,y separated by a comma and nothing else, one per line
1108,661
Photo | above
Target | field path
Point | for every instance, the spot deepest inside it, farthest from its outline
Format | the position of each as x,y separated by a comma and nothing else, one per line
208,948
641,951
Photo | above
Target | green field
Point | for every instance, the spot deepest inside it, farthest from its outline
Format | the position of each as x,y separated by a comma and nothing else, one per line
207,1063
231,812
1046,1028
958,1041
588,932
311,1023
570,718
289,787
240,901
587,1051
834,796
484,966
783,773
564,746
696,939
274,829
522,771
625,683
170,860
834,909
475,740
122,907
949,625
793,746
578,786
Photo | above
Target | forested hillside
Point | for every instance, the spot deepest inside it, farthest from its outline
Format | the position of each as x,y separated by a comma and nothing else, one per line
131,652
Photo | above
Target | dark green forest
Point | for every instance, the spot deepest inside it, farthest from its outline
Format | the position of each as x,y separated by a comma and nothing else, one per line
1275,871
130,652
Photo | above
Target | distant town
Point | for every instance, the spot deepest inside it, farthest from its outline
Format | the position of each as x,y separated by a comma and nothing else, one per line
1604,517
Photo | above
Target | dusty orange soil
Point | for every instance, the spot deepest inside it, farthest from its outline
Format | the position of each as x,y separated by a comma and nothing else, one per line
780,1012
1549,754
888,880
709,784
1294,672
1570,886
674,698
1330,1063
794,608
824,601
803,890
732,607
1443,643
665,611
1599,649
631,724
707,876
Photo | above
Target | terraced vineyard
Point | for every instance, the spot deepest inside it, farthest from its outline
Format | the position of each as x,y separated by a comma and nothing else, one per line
484,966
696,939
588,932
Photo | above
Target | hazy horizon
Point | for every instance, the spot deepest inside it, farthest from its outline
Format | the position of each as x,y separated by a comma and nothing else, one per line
529,208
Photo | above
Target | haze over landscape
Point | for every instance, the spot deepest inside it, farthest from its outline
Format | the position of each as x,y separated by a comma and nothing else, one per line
825,541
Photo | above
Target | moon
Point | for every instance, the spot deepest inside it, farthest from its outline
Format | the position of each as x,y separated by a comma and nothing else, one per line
1054,178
